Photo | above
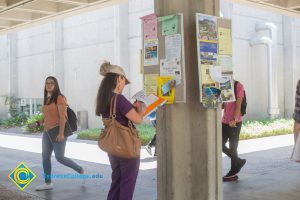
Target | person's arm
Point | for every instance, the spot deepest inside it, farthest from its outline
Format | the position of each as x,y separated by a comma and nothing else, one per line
62,112
237,112
296,129
36,123
136,114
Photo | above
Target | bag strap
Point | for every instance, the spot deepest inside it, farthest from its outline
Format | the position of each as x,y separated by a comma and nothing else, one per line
113,107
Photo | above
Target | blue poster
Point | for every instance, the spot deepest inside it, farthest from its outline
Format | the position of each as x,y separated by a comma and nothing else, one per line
208,51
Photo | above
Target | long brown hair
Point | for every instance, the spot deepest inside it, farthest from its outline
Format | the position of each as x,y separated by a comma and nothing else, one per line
55,92
105,92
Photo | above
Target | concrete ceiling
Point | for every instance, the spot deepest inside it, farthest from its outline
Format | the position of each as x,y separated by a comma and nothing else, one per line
18,14
285,7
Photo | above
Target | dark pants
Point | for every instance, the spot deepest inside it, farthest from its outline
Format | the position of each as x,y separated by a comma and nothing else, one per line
152,143
232,134
59,150
124,175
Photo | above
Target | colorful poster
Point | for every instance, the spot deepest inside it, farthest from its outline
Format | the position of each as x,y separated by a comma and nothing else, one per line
173,47
208,51
169,24
225,41
227,90
151,52
207,62
207,28
226,62
170,68
209,100
205,76
169,96
150,84
170,85
150,26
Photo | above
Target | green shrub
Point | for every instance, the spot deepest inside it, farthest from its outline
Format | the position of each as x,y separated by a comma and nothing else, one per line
89,134
250,129
266,127
32,119
18,120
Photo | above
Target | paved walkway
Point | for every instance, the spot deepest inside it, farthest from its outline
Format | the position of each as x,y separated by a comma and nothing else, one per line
268,174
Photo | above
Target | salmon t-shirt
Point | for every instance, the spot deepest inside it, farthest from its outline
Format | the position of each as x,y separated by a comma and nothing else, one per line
51,115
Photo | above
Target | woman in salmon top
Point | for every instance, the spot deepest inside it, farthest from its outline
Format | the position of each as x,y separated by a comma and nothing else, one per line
55,114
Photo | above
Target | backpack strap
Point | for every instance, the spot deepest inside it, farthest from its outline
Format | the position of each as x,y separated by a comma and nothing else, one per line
235,89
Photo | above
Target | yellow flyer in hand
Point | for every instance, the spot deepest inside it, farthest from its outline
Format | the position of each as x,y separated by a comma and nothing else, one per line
166,88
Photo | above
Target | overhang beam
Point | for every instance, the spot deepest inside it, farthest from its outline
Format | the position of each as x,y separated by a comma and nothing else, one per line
271,5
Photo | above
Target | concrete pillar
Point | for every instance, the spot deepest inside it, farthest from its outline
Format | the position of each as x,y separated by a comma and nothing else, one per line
289,68
121,40
189,136
13,66
58,52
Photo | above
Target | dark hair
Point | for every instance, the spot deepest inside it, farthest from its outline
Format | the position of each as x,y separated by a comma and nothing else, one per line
55,92
105,93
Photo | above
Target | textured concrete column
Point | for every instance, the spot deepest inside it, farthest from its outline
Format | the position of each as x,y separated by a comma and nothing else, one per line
289,67
13,67
58,52
189,136
121,43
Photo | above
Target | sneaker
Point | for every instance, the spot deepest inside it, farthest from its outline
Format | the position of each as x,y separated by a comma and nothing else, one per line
232,178
148,149
241,164
230,175
44,186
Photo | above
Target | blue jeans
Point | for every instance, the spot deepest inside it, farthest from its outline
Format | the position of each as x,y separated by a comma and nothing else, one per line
59,150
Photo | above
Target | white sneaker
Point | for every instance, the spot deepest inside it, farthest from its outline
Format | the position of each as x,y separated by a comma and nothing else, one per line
44,187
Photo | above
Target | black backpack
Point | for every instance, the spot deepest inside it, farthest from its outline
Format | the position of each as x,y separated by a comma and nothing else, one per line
72,119
244,103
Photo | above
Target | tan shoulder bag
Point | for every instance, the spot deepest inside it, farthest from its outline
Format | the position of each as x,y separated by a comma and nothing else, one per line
116,139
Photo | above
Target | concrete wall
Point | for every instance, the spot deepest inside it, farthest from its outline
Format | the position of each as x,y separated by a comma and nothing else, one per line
4,72
250,63
73,48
